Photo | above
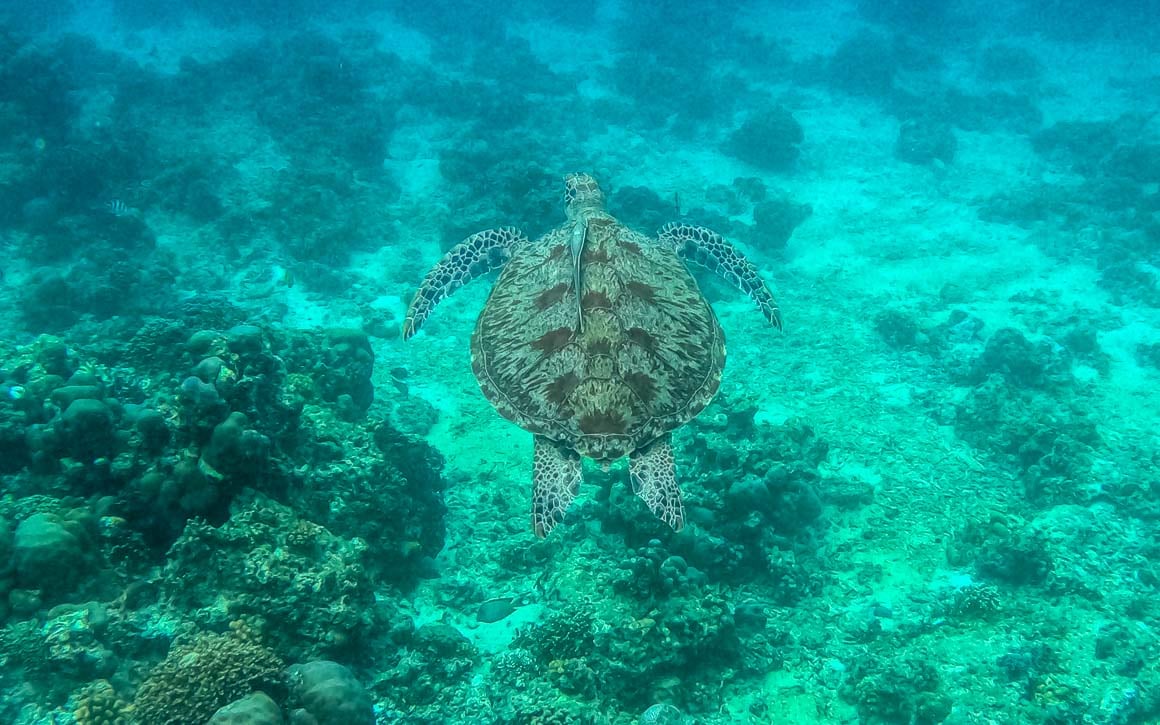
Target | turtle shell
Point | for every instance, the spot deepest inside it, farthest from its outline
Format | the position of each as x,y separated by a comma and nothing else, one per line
647,358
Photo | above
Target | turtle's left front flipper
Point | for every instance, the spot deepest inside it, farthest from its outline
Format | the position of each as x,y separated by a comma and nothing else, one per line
477,255
654,479
710,250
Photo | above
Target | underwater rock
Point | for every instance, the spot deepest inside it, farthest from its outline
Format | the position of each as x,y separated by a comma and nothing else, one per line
641,208
415,416
992,112
201,342
797,503
650,570
191,489
348,364
746,495
1003,63
199,394
848,494
25,602
73,635
864,65
233,449
244,339
1138,162
49,302
327,693
441,658
86,430
1023,363
775,220
443,640
85,377
253,709
419,462
48,554
208,369
927,18
64,396
675,574
897,329
150,425
53,355
925,141
14,448
901,689
202,406
769,140
751,614
750,188
1149,355
1020,559
346,409
1082,145
40,214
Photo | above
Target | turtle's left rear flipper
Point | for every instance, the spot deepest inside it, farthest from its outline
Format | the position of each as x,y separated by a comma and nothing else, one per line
710,250
654,479
556,473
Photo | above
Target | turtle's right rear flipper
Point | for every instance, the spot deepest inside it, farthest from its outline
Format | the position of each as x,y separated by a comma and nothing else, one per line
475,256
654,478
556,473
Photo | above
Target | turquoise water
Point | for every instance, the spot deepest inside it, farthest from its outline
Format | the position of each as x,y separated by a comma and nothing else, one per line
232,493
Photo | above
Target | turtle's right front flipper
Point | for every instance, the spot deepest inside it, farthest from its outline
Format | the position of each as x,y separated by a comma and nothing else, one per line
710,250
475,256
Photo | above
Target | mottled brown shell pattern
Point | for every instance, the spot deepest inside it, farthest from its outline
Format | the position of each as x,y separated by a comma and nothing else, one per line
647,359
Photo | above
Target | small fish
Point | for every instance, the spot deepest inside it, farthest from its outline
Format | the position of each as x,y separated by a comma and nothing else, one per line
118,208
677,203
497,608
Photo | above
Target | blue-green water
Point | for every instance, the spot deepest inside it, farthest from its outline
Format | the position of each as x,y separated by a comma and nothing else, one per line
230,492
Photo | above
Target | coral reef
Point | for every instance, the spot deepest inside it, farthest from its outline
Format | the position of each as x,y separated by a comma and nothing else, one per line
254,709
769,139
229,494
199,677
864,65
226,573
775,219
99,705
326,693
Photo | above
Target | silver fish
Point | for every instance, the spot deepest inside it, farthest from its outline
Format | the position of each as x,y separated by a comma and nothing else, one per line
497,608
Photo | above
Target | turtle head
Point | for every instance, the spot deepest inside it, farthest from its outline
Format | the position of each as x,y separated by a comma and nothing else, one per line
581,194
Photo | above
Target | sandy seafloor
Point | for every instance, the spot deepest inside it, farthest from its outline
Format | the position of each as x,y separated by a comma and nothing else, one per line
919,603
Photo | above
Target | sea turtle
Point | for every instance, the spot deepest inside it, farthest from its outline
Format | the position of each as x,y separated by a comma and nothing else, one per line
597,340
